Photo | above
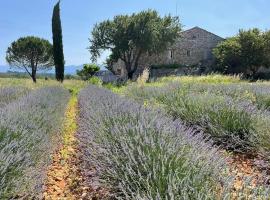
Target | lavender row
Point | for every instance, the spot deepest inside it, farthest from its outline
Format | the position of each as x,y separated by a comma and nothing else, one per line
256,93
29,130
140,153
9,94
230,115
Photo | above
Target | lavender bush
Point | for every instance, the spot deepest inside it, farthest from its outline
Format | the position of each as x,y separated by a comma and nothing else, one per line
140,153
216,115
28,134
9,94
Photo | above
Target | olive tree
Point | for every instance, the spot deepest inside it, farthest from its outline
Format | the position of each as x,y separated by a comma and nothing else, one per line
128,37
88,71
30,54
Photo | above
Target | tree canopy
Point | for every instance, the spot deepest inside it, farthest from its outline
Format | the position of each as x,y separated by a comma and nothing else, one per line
88,71
246,52
30,54
130,36
58,54
228,55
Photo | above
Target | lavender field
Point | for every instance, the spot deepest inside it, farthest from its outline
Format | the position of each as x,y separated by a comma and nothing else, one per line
144,153
235,115
174,138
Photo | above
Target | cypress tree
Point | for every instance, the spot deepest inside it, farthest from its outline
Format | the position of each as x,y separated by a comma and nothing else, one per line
58,53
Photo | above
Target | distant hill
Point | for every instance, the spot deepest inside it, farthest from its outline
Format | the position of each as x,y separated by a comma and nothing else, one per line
69,69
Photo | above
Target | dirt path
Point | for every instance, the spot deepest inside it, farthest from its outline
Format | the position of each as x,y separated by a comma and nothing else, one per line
63,176
248,167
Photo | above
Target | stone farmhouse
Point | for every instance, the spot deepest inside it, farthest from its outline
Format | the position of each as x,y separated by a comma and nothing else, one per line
193,48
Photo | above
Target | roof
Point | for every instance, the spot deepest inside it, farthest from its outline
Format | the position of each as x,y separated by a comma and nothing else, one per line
201,29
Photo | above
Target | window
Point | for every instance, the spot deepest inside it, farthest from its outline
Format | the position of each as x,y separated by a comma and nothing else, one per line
188,53
195,36
171,54
119,71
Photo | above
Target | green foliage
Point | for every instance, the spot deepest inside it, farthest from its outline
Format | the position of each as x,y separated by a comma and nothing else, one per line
58,53
266,38
30,54
228,54
95,81
117,88
244,53
130,36
88,71
252,49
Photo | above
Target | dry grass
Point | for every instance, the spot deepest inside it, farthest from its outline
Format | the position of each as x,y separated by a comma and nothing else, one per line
143,78
72,85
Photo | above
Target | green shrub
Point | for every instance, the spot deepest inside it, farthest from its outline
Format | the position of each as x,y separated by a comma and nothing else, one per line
95,81
88,71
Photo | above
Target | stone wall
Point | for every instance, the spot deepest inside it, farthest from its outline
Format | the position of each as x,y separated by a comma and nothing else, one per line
156,73
194,47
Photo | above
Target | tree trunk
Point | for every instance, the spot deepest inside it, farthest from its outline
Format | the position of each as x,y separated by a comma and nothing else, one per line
34,75
132,69
34,79
129,70
136,63
130,75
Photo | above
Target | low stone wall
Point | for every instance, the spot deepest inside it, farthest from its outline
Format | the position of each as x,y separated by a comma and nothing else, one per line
156,73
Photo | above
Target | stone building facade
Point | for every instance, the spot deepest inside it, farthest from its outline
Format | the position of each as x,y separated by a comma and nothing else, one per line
192,48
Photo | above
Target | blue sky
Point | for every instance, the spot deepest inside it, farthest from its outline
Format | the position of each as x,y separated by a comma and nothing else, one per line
33,17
